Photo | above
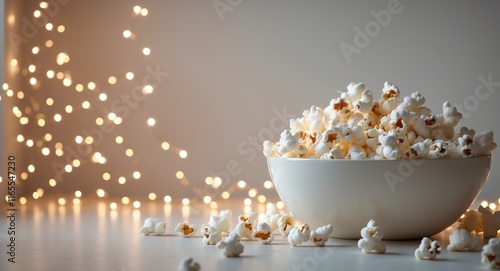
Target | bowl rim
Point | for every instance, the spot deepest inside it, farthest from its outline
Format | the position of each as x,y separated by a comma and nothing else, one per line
379,160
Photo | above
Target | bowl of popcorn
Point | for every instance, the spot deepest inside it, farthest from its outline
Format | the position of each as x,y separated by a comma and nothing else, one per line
390,159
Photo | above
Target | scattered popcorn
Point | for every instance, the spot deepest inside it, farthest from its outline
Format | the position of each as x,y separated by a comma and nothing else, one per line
298,235
223,222
321,235
371,239
211,236
153,226
490,222
272,216
357,126
185,230
188,265
491,254
286,223
231,246
428,249
263,233
471,221
462,240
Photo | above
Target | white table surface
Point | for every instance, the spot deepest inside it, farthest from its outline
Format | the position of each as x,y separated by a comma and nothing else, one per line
91,236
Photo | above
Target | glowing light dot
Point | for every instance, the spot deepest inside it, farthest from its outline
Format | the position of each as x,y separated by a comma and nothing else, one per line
10,92
60,75
62,58
33,81
68,168
68,109
113,205
35,50
100,193
146,51
144,12
225,195
179,174
91,85
492,206
122,180
112,80
106,176
57,117
37,13
99,121
165,145
137,9
78,193
280,205
76,201
111,116
86,105
268,184
183,154
185,201
151,121
44,5
247,202
76,163
49,43
45,151
217,182
129,75
50,74
23,200
127,34
209,180
32,68
52,182
152,196
207,199
35,195
59,152
213,205
13,62
29,143
252,192
119,140
117,121
261,198
31,168
129,152
136,175
49,101
40,191
167,199
148,89
61,28
79,87
20,138
61,201
20,95
242,184
5,86
484,203
48,137
67,82
136,204
49,26
125,200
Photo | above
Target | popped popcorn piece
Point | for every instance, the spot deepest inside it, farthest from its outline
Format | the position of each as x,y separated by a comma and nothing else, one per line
244,229
355,91
222,222
187,264
483,143
263,233
438,149
390,145
211,235
185,230
365,103
371,240
428,249
490,222
490,255
471,221
231,246
321,235
272,216
288,142
153,226
462,240
298,235
286,223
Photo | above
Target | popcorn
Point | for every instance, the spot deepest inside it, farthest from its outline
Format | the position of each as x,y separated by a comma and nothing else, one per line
357,126
428,249
286,223
371,239
490,222
263,233
462,240
185,230
231,246
471,221
153,226
298,235
244,229
490,255
272,216
211,235
223,222
321,235
187,264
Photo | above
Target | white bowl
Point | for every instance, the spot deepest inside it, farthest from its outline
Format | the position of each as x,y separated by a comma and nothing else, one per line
409,199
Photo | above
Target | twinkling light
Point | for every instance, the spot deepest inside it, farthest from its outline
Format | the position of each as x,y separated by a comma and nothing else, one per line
79,87
136,204
20,138
242,184
125,200
261,198
44,5
52,182
225,195
137,9
100,193
129,152
112,80
247,202
213,205
217,182
148,89
152,196
49,26
185,201
280,205
78,193
136,175
50,74
144,12
37,14
183,154
252,192
207,199
91,85
122,180
45,151
49,43
61,28
119,140
165,145
167,199
49,101
492,206
31,168
35,50
33,81
113,205
61,201
23,200
484,203
129,75
151,121
106,176
127,34
86,105
68,109
268,184
146,51
57,117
